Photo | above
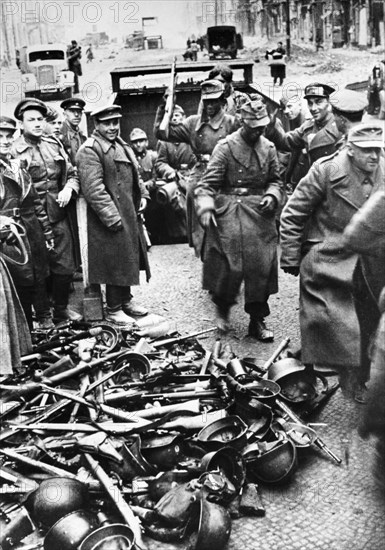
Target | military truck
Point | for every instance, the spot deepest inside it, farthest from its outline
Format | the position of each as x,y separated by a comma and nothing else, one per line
45,71
223,42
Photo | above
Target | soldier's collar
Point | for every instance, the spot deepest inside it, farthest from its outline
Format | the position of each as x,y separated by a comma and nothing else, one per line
214,122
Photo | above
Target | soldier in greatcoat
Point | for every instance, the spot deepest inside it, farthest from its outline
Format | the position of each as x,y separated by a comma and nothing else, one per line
236,203
202,132
20,203
115,195
365,235
318,136
312,226
57,184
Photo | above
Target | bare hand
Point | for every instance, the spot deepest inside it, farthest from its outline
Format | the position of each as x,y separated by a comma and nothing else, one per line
143,205
64,197
206,218
273,117
267,204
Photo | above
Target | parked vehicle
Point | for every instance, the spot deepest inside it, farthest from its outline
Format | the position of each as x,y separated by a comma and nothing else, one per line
45,70
223,42
139,90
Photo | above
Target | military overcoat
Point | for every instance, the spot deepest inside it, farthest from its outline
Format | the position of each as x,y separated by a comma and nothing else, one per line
51,171
202,134
20,201
113,190
312,226
243,243
319,140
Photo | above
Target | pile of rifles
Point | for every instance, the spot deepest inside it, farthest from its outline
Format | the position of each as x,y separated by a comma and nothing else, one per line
110,438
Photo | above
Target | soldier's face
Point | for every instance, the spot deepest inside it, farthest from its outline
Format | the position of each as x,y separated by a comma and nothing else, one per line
251,134
177,117
54,127
140,145
365,158
318,107
292,109
109,129
212,106
73,116
33,123
6,138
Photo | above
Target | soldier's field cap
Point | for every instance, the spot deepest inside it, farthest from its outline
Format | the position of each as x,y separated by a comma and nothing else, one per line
366,135
29,105
212,89
318,90
7,124
254,113
108,112
73,103
137,134
348,101
178,109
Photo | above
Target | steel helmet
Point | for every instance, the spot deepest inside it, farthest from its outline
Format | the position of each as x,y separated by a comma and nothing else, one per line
55,498
115,535
69,532
163,449
298,383
214,527
230,431
272,462
229,461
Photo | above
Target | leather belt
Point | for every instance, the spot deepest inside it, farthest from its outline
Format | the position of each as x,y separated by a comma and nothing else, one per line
241,191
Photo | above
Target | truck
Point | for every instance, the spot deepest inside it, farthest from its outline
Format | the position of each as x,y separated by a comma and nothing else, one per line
223,42
45,71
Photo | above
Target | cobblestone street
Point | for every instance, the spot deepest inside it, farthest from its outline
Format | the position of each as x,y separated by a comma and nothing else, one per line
325,506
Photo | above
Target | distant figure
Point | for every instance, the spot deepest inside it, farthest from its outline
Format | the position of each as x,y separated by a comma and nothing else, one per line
201,43
318,40
375,85
18,59
188,55
89,53
278,64
194,50
74,54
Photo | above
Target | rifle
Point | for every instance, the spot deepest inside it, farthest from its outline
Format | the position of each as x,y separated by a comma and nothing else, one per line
169,101
177,339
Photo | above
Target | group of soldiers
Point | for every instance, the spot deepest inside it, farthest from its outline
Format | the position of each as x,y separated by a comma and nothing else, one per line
235,206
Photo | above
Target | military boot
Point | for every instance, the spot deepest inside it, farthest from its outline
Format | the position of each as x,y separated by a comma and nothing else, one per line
259,330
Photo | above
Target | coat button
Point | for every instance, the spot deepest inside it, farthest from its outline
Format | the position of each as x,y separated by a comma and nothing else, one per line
240,170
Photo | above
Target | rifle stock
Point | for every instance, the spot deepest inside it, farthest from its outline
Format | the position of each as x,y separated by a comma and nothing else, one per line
170,101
